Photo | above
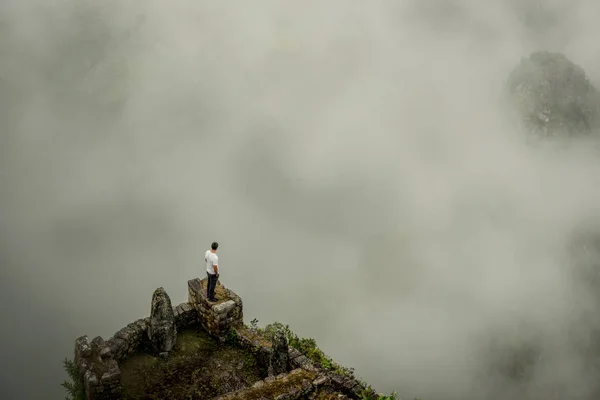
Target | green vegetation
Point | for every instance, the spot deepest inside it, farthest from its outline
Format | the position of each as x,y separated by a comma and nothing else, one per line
232,337
199,367
308,347
74,387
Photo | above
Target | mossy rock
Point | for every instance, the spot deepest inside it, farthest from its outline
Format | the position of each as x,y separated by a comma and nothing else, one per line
552,96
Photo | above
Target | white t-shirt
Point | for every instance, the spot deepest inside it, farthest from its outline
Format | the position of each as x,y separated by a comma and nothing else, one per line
211,260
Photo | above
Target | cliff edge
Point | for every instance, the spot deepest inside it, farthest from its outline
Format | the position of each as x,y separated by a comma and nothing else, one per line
203,350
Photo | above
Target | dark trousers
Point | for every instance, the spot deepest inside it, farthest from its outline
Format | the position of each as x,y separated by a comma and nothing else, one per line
211,285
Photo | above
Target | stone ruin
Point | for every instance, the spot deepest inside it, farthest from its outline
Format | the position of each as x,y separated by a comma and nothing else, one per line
288,373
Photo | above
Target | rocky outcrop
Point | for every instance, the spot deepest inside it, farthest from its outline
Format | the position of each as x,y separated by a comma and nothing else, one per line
279,360
285,372
553,96
162,331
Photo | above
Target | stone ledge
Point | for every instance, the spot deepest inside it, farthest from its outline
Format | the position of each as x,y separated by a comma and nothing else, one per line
291,386
216,318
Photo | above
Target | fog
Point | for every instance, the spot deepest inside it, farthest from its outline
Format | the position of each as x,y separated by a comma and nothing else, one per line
352,158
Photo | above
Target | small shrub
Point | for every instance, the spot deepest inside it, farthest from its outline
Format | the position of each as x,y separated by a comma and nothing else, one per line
308,347
75,386
232,337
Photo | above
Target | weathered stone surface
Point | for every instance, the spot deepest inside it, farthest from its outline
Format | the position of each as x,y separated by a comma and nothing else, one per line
194,289
279,358
306,386
320,381
90,379
302,360
101,373
291,394
97,343
258,384
185,315
294,353
83,350
105,352
337,380
111,375
224,307
162,331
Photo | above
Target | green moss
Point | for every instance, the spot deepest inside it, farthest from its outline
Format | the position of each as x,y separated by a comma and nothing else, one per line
199,367
308,347
254,335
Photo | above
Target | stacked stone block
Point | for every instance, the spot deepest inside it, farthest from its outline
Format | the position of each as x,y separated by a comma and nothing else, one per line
100,371
185,316
216,318
129,339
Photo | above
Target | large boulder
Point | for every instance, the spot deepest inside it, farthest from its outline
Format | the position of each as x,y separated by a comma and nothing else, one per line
162,331
279,358
553,96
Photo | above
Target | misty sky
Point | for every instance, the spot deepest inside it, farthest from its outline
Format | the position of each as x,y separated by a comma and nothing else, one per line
352,158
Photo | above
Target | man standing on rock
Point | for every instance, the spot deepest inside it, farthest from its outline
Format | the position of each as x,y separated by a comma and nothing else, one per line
212,271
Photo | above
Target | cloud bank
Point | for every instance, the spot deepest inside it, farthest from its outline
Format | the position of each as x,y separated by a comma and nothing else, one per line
353,159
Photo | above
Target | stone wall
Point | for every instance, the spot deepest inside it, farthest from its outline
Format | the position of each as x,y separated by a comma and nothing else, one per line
300,383
128,339
216,318
101,374
322,379
329,380
263,351
98,360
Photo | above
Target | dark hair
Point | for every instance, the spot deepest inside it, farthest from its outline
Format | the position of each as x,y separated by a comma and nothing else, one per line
214,245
